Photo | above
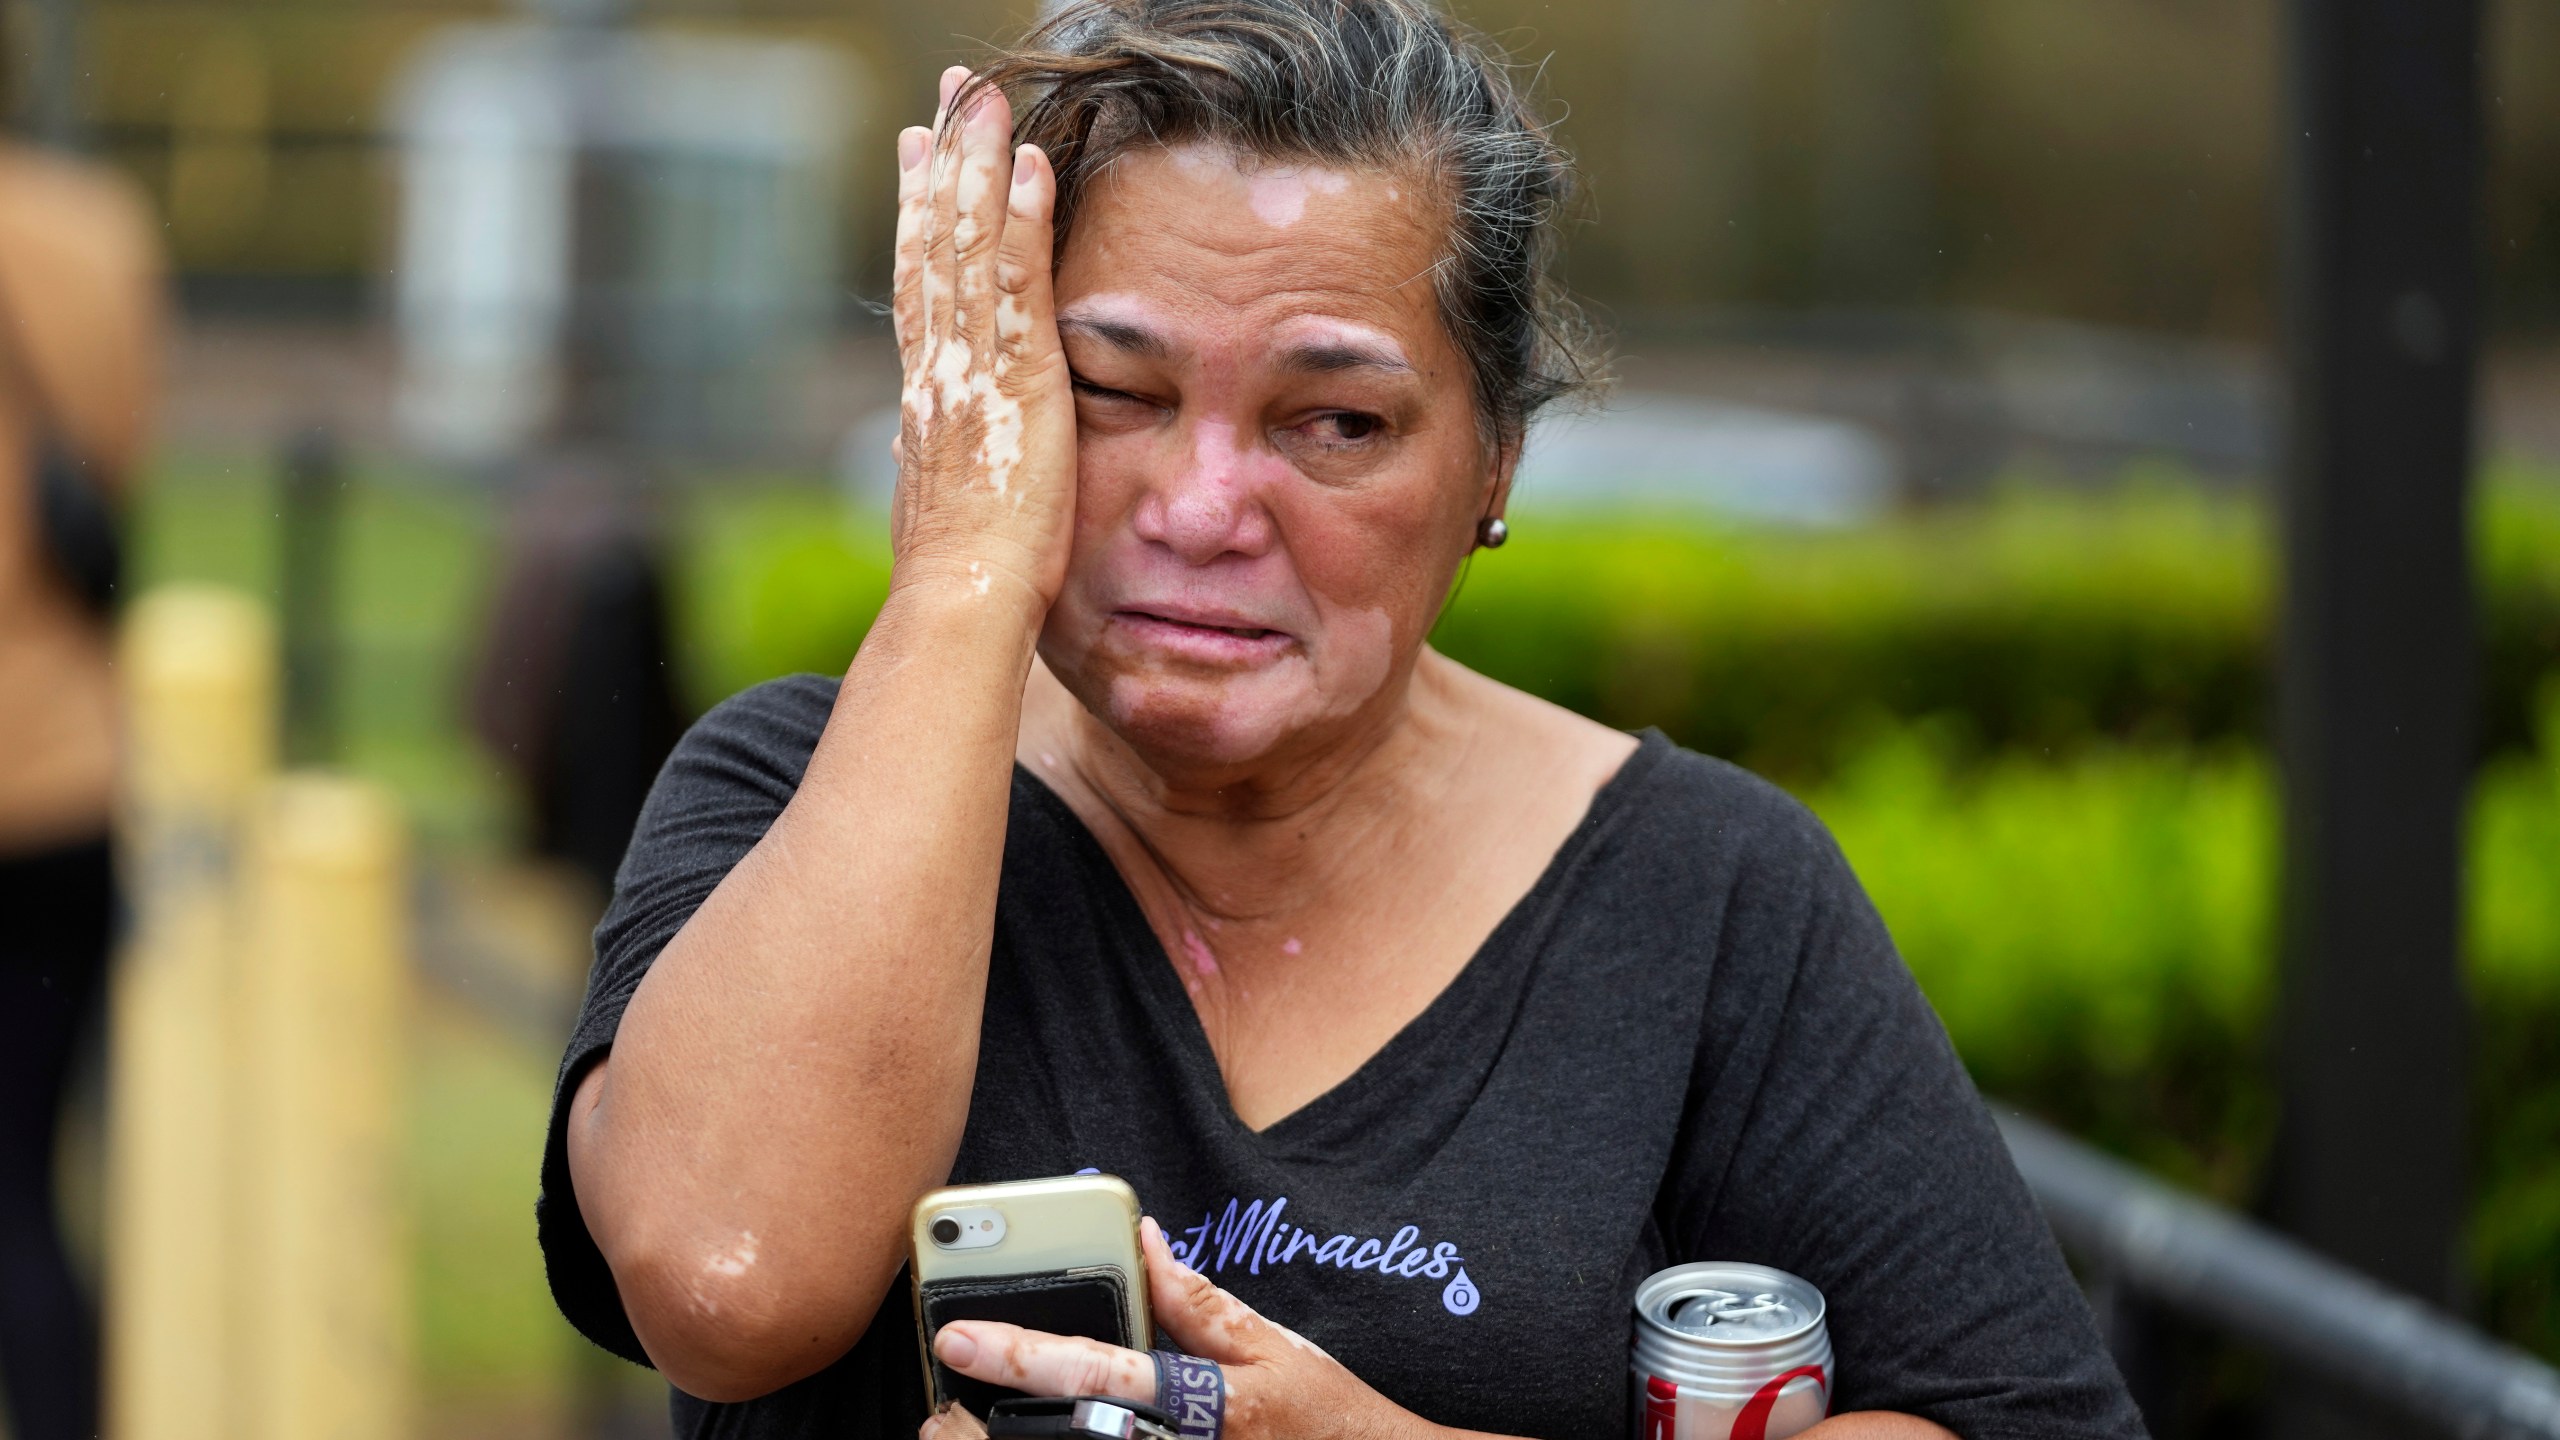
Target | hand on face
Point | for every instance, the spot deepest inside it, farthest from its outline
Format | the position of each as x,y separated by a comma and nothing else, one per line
986,441
1277,1383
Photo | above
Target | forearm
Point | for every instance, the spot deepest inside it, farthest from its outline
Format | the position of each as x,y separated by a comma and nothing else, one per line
1878,1425
796,1066
1864,1425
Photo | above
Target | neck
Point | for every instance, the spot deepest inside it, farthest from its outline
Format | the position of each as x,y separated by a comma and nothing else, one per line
1255,843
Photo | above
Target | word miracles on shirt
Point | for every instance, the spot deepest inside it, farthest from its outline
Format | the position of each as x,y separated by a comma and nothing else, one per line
1252,1235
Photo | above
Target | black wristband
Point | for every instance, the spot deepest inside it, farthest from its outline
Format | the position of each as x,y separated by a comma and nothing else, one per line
1193,1391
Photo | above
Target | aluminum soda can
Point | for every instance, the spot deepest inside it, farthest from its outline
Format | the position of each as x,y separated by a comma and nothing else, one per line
1727,1351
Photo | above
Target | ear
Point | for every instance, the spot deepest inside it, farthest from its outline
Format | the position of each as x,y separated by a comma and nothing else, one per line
1502,463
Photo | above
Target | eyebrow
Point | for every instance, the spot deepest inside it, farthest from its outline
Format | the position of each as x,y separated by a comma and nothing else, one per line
1119,335
1318,358
1326,357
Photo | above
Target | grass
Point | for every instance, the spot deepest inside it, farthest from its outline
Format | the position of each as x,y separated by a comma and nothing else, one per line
487,1330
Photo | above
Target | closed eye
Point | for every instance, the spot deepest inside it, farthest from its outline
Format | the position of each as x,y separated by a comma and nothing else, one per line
1101,392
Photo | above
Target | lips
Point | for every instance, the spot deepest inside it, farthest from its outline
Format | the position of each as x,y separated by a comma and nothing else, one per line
1202,636
1241,632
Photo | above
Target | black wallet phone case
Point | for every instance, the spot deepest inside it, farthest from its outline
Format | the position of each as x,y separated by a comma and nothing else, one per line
1092,1302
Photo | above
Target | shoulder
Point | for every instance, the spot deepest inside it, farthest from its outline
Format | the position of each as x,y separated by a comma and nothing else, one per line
722,788
1750,895
1742,830
728,778
80,274
769,729
79,218
1690,806
790,711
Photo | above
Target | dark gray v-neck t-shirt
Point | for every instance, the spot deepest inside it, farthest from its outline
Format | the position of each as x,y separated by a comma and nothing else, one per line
1692,1040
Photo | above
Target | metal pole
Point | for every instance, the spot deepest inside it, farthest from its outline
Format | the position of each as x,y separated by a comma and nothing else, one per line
198,668
2377,670
314,483
320,1102
52,110
2435,1374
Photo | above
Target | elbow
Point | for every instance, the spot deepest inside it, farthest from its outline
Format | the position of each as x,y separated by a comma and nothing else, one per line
723,1328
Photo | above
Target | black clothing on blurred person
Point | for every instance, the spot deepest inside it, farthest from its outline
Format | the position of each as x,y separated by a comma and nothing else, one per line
575,691
56,923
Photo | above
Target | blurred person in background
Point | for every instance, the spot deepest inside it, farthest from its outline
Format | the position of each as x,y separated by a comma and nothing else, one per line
79,333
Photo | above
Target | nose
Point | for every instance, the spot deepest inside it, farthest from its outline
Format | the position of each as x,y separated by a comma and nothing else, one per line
1211,504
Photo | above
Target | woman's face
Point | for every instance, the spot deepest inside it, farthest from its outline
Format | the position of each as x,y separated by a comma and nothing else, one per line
1278,463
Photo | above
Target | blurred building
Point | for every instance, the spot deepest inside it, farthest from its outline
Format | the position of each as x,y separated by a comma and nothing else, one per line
613,234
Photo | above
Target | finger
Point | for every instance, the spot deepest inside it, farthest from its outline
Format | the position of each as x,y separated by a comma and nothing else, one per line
1026,311
906,287
952,1422
978,209
1038,1363
953,77
939,281
1193,1312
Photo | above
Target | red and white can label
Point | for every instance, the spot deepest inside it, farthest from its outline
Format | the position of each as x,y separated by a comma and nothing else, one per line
1661,1409
1661,1420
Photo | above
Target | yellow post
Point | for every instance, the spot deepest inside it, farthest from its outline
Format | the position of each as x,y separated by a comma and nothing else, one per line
199,671
325,991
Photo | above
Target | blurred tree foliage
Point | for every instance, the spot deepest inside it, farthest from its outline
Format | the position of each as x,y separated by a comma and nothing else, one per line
2104,160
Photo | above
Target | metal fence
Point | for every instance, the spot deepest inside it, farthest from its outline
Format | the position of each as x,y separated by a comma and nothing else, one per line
2203,1263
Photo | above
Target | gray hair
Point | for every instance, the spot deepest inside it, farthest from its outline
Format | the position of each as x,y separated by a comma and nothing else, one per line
1383,83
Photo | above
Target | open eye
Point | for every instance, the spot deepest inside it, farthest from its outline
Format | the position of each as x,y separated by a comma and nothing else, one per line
1346,427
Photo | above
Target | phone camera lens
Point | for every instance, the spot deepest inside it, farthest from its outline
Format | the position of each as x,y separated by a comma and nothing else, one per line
946,1231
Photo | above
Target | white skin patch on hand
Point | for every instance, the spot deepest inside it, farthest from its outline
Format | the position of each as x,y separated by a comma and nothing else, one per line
1000,445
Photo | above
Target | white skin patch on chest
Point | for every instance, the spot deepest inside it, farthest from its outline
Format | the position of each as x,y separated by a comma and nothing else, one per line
1204,962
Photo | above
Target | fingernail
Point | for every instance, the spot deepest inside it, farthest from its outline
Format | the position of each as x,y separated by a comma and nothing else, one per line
955,1347
1021,167
1149,1229
911,147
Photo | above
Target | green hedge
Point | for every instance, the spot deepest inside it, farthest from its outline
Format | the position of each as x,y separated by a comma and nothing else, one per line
2041,622
2097,937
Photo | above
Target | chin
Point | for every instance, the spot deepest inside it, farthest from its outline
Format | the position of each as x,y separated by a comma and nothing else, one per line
1200,722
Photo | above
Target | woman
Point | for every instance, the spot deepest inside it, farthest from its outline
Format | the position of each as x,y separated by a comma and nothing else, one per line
1145,833
79,348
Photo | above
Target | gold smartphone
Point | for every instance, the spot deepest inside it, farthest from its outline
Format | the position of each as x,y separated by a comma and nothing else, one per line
1059,1255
